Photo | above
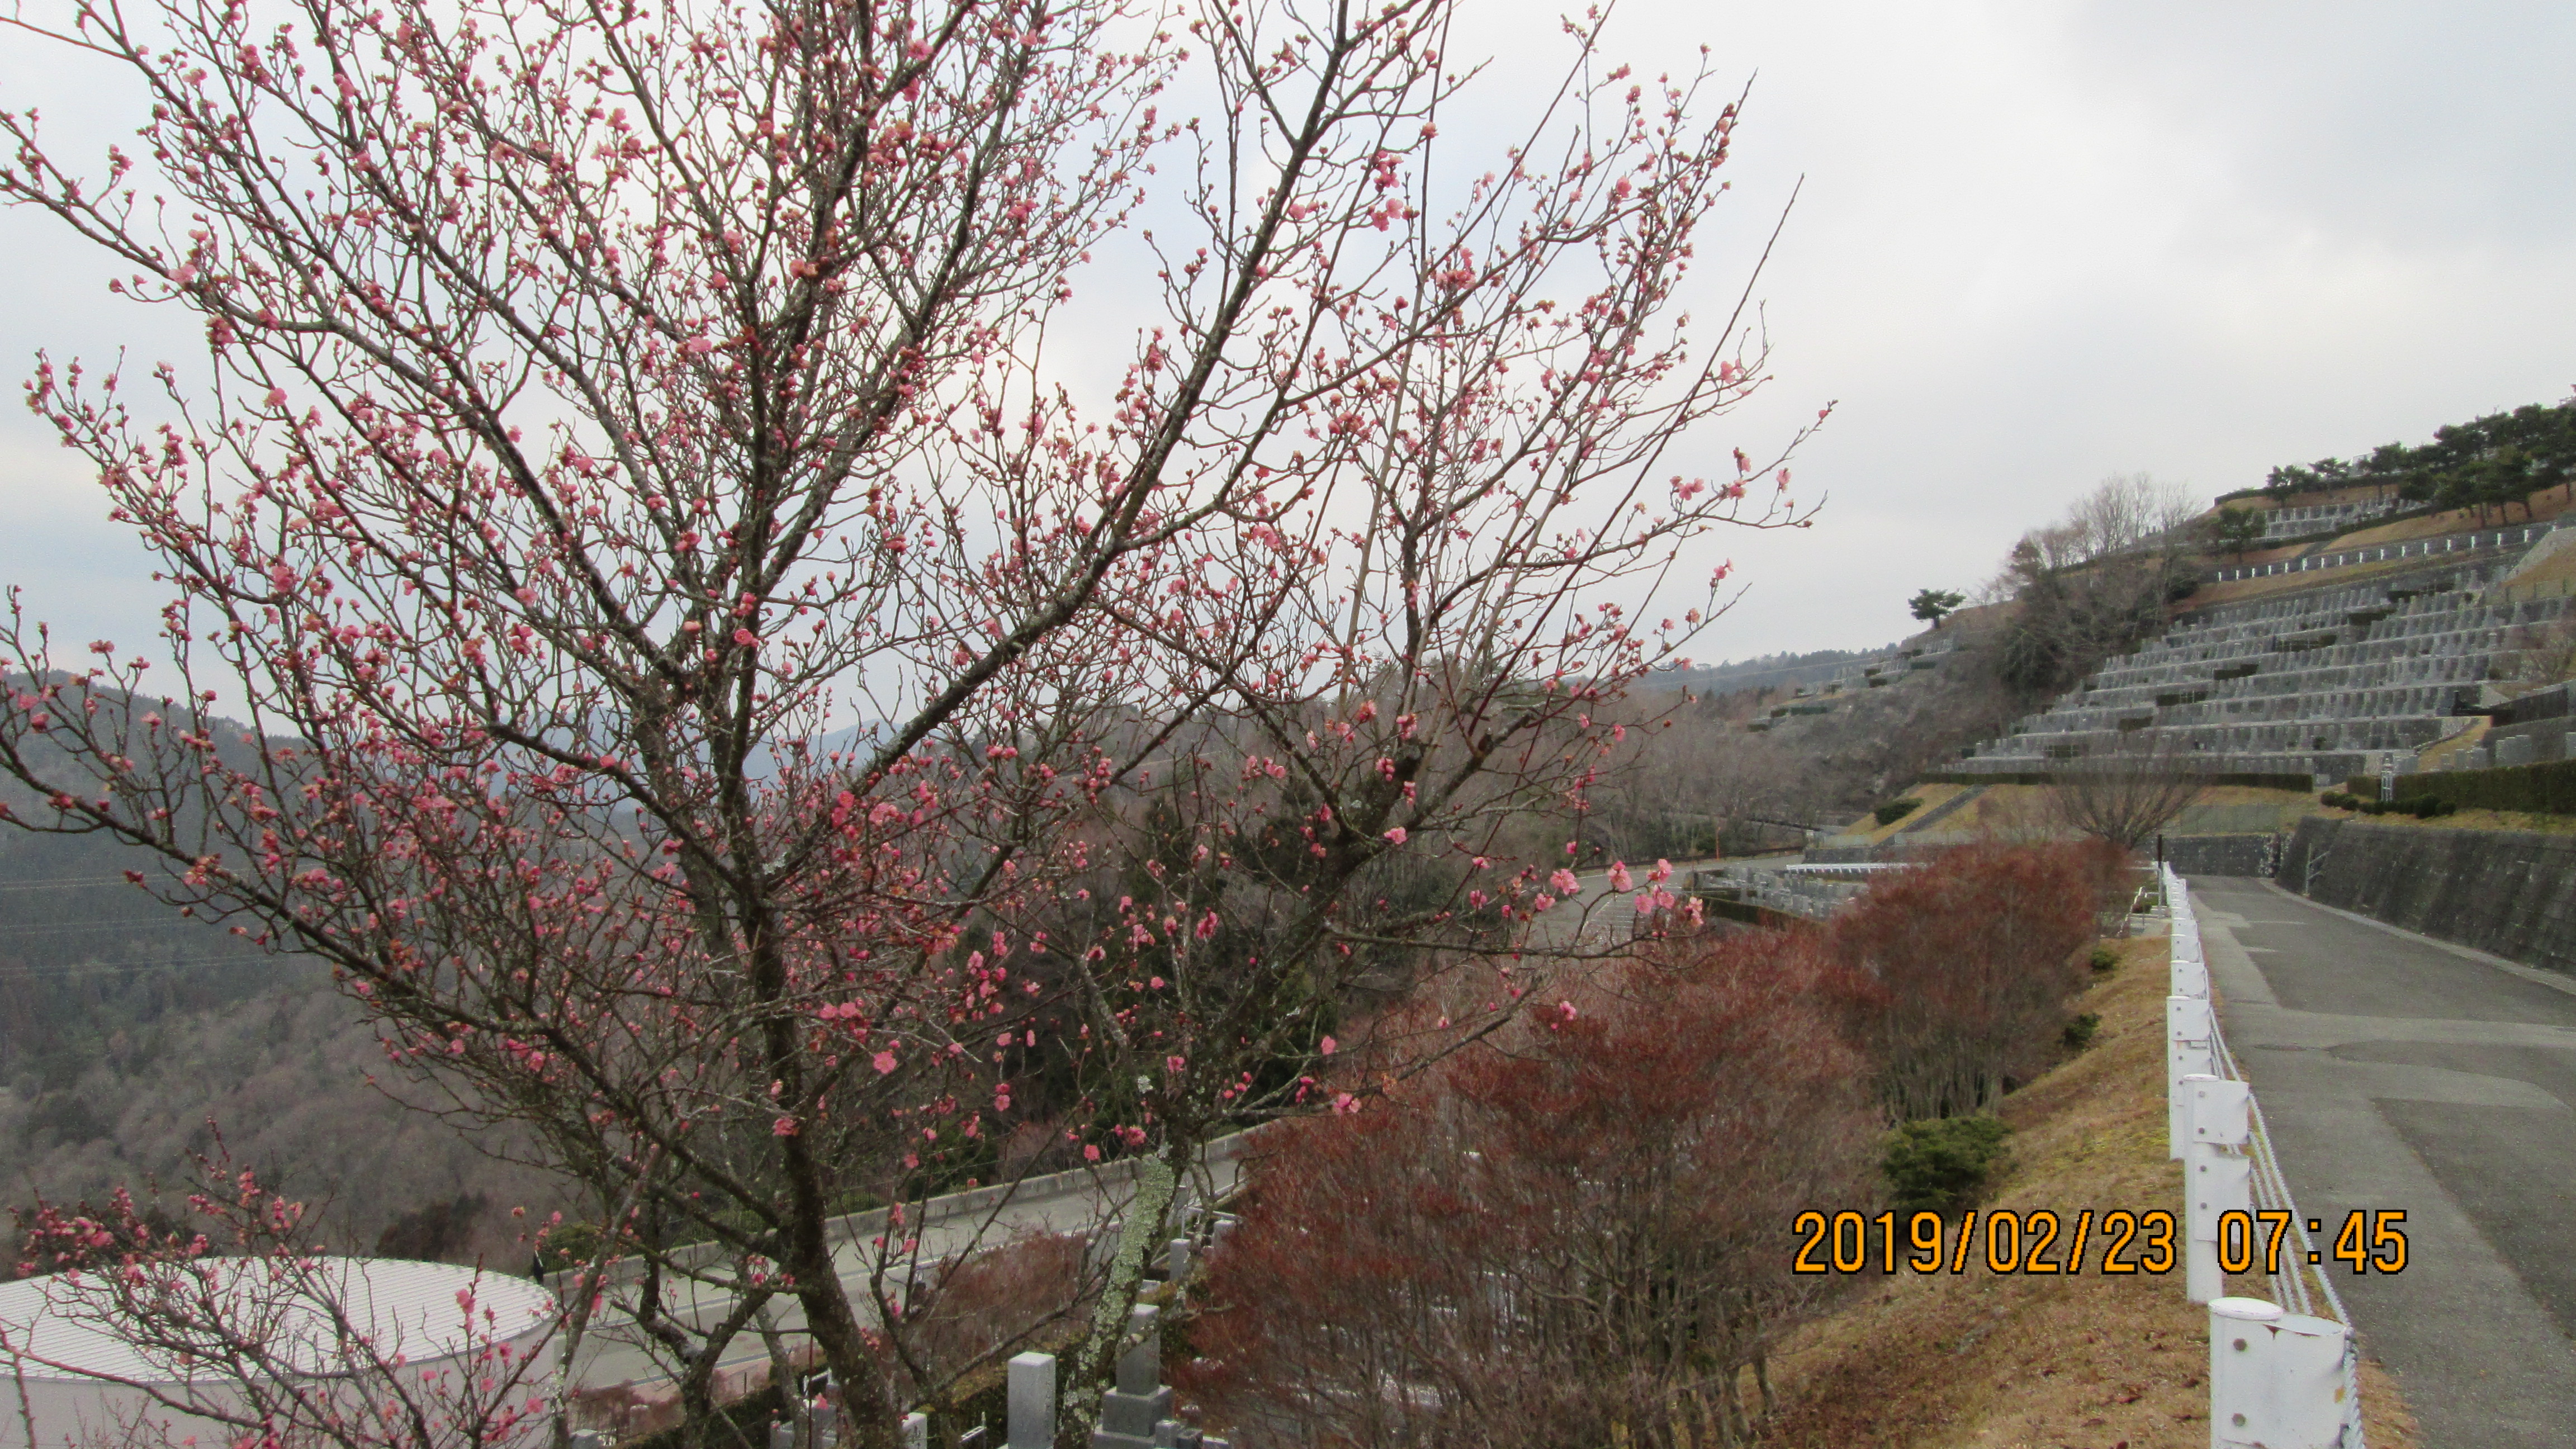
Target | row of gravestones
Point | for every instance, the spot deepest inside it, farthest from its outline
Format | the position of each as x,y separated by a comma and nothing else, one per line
2417,654
2403,622
2509,750
2383,692
1134,1414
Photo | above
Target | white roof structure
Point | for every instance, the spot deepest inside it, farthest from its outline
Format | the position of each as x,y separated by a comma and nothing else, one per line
88,1381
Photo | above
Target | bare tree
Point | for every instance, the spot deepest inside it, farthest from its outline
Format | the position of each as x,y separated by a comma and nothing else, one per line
2541,654
2097,583
2129,793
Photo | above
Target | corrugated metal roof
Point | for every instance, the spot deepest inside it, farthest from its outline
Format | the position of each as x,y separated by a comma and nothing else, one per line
306,1309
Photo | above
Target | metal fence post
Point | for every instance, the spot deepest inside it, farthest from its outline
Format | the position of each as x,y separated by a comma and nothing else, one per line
2187,1052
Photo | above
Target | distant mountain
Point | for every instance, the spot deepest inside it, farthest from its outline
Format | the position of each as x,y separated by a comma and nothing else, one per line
1774,671
124,1027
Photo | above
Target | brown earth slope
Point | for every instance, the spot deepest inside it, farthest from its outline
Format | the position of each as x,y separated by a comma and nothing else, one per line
2088,1360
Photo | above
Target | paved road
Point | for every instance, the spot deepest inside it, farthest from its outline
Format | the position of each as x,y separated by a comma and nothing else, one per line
2402,1072
1076,1202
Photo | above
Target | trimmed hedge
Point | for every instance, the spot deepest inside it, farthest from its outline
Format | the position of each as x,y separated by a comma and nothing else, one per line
1894,810
2422,807
2543,789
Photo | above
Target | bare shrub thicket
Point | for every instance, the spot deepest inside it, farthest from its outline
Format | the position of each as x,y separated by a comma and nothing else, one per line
969,1312
2096,583
1956,975
1574,1239
1693,776
2541,654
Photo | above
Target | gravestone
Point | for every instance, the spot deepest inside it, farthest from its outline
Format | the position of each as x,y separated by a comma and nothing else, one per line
1131,1413
1030,1388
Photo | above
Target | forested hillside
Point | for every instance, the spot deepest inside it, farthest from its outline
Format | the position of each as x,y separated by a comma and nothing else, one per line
125,1028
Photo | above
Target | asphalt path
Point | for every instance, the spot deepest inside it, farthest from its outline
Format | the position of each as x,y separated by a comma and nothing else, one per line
2400,1072
612,1352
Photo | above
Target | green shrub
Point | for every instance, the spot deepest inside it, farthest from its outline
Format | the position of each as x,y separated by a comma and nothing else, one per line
2079,1032
1942,1166
1895,810
568,1245
2104,960
2422,803
2543,789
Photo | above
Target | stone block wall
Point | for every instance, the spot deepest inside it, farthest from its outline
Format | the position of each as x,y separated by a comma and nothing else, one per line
2217,854
2510,892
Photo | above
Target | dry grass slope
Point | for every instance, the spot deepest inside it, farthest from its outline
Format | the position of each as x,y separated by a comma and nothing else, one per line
2089,1361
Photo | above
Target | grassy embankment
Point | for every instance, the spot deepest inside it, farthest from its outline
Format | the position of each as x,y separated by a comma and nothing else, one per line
2465,818
1867,831
1994,1361
2544,506
2014,812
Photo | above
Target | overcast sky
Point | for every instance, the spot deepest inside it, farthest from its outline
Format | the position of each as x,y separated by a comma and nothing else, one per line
2039,243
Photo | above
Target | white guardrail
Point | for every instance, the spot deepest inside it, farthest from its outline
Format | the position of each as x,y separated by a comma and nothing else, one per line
2284,1372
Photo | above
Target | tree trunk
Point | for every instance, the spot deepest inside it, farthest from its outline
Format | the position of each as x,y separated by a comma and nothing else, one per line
1157,1180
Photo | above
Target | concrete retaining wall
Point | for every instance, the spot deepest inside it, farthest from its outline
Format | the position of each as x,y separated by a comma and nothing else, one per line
2217,854
2511,892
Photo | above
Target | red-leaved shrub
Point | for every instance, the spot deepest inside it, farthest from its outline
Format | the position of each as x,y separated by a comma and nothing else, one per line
1955,976
1577,1234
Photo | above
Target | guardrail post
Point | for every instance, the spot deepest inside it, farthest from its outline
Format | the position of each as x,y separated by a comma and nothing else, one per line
2187,1053
2190,967
2190,978
2218,1178
2277,1380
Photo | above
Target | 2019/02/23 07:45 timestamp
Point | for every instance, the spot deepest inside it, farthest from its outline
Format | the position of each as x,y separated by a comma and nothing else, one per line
2028,1241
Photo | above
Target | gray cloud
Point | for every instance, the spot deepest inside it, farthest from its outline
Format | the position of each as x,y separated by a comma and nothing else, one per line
2039,243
